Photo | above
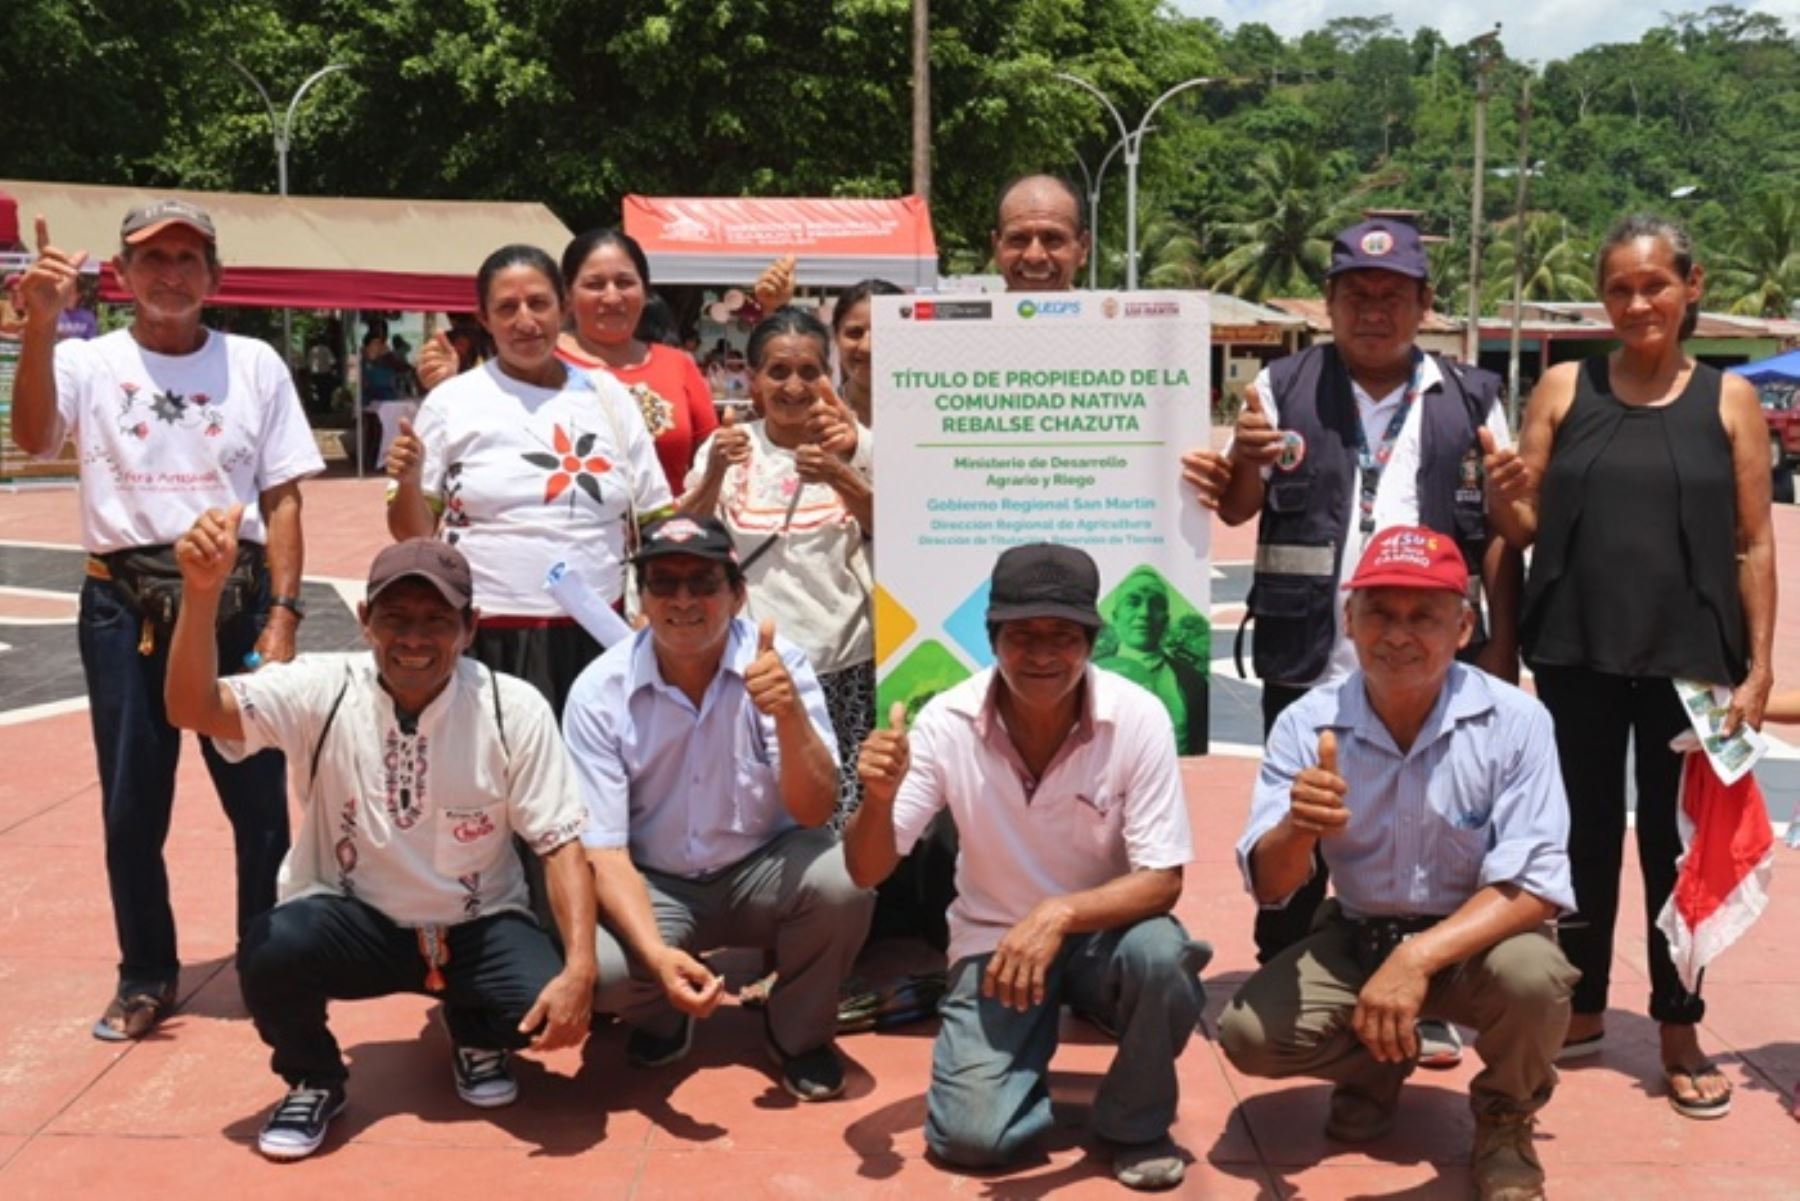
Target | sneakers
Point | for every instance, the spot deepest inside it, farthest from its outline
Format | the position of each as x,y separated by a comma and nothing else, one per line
1505,1164
815,1075
1440,1046
1357,1117
297,1127
1148,1167
484,1078
646,1050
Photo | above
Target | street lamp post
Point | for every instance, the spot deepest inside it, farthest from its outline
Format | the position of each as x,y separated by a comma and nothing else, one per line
283,131
1094,179
1133,142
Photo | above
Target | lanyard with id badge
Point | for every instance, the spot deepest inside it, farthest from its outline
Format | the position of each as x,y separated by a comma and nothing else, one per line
1371,461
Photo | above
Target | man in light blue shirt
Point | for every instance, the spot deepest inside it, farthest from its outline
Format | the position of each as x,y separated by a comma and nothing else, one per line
1432,790
705,756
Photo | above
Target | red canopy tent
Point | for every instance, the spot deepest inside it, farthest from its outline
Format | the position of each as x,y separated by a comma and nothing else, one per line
729,240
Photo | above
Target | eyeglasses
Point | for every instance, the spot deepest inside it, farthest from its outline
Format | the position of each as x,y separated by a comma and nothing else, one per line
699,584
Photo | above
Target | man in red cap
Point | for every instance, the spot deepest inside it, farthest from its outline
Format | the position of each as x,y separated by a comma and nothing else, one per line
171,419
1432,791
415,766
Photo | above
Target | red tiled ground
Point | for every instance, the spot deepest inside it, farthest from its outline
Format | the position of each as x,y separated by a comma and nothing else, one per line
176,1115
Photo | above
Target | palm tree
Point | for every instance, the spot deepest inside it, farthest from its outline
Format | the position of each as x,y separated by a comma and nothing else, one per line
1557,265
1280,242
1448,262
1762,272
1173,255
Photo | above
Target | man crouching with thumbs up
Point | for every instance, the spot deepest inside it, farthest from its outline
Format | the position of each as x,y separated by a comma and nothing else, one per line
1432,791
706,758
1066,792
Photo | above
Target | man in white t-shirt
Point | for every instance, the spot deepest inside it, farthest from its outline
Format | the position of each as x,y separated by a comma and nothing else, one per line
171,419
1066,790
415,765
1332,446
707,762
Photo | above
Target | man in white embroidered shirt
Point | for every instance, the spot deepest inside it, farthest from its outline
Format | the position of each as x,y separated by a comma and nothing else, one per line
1065,788
1433,791
414,766
706,758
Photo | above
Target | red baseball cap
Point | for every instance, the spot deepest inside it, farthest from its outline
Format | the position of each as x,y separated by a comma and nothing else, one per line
1411,556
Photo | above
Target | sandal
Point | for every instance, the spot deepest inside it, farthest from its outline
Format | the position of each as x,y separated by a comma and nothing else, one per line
131,1016
1698,1108
755,995
1580,1048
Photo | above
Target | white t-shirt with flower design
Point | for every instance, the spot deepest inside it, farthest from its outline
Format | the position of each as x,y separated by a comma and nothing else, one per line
814,579
529,476
163,438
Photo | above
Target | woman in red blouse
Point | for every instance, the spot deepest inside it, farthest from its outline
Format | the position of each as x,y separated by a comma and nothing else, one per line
609,281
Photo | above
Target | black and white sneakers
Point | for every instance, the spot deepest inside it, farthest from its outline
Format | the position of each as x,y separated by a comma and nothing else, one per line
484,1078
297,1127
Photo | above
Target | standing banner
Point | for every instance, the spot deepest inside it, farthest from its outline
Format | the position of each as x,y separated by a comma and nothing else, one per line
1042,417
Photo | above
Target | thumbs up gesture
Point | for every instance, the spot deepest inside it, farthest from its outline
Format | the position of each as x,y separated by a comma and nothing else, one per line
1255,438
886,754
775,286
207,552
1208,472
48,285
437,361
406,457
830,422
730,445
767,681
1508,477
1316,801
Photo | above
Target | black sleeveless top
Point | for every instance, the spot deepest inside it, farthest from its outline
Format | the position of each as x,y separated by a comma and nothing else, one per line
1635,571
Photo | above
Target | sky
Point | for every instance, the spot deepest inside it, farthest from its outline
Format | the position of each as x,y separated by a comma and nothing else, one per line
1535,30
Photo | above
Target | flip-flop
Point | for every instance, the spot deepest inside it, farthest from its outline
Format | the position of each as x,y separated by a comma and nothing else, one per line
1581,1048
131,1016
1701,1110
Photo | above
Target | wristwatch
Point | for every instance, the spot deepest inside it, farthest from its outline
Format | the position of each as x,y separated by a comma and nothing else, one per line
292,604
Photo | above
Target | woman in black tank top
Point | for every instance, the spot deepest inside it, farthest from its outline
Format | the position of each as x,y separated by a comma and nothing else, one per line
1654,561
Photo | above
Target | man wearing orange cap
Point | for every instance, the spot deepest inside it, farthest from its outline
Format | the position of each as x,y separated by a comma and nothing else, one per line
172,420
1433,793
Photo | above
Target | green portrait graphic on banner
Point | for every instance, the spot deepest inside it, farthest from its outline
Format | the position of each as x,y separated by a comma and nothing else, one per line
1155,638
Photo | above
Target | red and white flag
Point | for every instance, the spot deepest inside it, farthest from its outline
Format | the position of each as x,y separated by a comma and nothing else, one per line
1722,880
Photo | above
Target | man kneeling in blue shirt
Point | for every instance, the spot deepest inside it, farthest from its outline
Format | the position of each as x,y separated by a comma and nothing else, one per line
1433,791
705,755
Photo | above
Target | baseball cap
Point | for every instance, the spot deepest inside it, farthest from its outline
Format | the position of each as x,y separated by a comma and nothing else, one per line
1411,556
1379,245
146,221
701,537
1043,579
437,563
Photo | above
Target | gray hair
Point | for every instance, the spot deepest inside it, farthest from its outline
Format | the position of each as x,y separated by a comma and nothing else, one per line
1652,225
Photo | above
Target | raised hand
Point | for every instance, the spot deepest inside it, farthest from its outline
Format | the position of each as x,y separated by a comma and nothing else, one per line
1316,801
406,457
208,551
1255,438
775,286
884,758
831,423
767,681
48,285
731,444
1508,476
437,361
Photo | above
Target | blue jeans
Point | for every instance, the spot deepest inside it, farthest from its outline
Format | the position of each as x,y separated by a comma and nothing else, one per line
989,1096
138,751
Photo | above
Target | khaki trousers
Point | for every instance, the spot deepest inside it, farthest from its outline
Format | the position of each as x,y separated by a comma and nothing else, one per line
1293,1017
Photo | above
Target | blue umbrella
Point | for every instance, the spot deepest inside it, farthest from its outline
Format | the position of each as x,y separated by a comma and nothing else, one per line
1782,366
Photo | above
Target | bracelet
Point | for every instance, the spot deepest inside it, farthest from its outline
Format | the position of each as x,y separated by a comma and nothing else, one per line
292,604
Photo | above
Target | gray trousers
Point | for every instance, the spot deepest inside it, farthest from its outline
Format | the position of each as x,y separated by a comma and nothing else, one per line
1292,1017
988,1095
794,895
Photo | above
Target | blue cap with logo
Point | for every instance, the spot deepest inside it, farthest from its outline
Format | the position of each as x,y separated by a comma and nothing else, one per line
1379,245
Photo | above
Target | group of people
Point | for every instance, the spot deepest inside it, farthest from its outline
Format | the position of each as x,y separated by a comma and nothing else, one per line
502,812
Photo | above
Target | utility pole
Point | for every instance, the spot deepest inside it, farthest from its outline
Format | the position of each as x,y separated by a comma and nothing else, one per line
921,109
1094,180
1484,63
1518,280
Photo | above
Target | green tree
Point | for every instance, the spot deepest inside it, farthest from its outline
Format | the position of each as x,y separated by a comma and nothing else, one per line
1556,265
1762,271
1280,242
